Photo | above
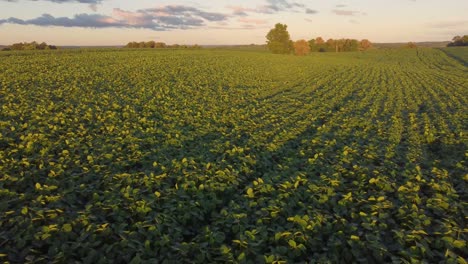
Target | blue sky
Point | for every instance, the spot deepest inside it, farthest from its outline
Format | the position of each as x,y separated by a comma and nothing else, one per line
116,22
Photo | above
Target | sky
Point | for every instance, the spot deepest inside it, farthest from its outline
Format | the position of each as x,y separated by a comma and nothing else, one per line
225,22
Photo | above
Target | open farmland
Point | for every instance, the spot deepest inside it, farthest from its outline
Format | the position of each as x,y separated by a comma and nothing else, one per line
114,156
459,53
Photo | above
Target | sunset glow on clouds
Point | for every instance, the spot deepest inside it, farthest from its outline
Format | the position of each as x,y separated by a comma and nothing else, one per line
114,22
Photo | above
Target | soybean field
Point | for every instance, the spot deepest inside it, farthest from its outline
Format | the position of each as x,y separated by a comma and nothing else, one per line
218,156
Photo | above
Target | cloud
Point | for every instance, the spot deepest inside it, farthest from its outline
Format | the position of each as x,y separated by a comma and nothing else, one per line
93,7
183,11
270,7
449,24
63,1
346,12
159,19
252,21
243,27
274,6
81,20
311,11
240,11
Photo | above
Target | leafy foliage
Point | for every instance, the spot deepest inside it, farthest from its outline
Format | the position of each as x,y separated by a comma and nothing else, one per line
158,45
230,156
411,45
338,45
301,47
30,46
459,41
279,41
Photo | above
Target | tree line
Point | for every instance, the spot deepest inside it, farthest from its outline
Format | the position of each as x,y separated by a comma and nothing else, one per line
458,41
158,45
30,46
279,42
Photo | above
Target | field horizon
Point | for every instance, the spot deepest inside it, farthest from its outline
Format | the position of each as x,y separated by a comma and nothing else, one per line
431,44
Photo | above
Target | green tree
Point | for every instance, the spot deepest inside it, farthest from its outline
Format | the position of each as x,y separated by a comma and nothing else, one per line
150,44
351,45
160,45
459,41
279,41
312,45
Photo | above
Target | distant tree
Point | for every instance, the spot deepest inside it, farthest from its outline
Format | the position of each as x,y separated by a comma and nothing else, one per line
30,46
301,47
365,44
17,46
279,41
330,45
320,45
458,41
312,45
42,46
160,45
350,45
411,45
150,44
319,41
131,45
336,45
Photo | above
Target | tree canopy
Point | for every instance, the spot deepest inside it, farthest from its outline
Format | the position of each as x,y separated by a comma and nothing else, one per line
301,47
459,41
158,45
279,41
411,45
30,46
338,45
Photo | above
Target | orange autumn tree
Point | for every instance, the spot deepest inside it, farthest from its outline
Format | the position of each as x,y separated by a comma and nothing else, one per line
365,44
301,47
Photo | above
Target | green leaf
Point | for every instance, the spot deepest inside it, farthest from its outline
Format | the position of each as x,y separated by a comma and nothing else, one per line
225,250
241,257
459,243
24,211
292,243
136,259
250,193
269,259
277,236
67,228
